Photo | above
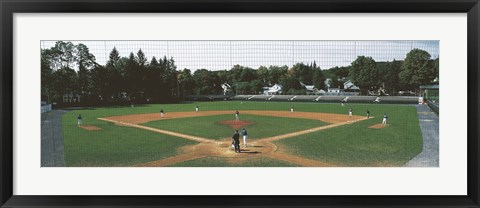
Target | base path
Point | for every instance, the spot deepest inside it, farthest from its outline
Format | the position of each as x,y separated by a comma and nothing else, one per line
145,118
429,124
307,131
171,133
52,153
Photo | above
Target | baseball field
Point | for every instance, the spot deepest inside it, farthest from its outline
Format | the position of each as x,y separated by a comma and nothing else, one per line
314,135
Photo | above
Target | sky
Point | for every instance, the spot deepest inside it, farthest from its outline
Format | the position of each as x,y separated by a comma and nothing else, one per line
220,55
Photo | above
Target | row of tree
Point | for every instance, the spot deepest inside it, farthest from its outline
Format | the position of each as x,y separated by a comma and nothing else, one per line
69,69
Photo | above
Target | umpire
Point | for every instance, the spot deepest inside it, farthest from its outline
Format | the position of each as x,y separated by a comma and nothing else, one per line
236,141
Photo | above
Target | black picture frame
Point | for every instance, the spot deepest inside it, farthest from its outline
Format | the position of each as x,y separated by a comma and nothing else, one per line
9,7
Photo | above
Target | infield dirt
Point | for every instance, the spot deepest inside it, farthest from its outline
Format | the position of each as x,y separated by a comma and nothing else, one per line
90,128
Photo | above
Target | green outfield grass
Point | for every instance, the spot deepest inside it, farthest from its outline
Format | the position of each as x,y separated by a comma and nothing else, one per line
223,162
208,126
351,145
358,145
114,145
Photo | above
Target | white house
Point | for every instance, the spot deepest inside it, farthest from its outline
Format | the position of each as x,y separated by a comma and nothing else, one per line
333,90
328,81
273,90
348,85
226,88
310,88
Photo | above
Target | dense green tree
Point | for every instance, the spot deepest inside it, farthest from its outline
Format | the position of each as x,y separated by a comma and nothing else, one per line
277,73
46,77
263,75
365,74
85,61
302,73
290,84
319,79
206,82
186,82
113,58
417,69
64,82
132,74
391,76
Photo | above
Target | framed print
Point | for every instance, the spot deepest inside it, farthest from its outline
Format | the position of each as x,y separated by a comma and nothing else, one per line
267,103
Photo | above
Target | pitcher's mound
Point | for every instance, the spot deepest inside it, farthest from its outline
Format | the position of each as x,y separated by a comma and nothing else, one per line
90,128
377,126
235,124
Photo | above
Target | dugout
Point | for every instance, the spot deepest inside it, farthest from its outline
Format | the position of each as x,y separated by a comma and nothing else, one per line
431,92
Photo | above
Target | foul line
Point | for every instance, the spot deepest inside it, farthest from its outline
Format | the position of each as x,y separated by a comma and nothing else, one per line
171,133
298,133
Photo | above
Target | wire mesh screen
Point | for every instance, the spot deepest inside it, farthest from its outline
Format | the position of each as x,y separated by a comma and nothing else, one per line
220,55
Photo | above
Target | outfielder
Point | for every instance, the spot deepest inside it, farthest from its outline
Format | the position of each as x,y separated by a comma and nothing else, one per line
245,135
79,120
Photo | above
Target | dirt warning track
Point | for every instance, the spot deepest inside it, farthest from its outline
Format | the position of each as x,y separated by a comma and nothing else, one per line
213,148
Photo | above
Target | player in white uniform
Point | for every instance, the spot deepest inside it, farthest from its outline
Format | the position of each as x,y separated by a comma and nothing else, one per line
237,115
79,120
384,121
291,109
245,136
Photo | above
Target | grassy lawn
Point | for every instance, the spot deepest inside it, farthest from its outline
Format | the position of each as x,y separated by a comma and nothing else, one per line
208,126
358,145
114,145
351,145
224,162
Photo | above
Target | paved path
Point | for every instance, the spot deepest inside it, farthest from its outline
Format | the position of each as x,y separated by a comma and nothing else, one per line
52,139
429,124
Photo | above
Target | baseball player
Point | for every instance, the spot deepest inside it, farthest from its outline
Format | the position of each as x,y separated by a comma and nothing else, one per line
384,121
291,109
237,115
162,113
368,113
245,135
79,120
236,141
350,111
196,109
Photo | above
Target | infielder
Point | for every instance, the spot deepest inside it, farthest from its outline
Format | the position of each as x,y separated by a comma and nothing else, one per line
79,120
237,115
368,113
196,109
245,135
162,113
350,111
384,121
291,109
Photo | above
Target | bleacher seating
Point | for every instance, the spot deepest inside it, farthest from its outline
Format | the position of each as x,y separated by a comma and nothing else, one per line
313,98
